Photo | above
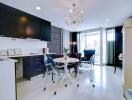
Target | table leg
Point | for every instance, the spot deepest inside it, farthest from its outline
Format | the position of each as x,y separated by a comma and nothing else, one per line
66,75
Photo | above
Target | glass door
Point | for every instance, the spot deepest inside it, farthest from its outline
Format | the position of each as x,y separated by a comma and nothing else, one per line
93,42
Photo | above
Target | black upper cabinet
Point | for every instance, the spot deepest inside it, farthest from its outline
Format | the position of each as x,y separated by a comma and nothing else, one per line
33,28
45,33
11,24
18,24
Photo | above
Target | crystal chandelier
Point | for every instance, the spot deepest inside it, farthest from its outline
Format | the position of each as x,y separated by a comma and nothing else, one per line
75,16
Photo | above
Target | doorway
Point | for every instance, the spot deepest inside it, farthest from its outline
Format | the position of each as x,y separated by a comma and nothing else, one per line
93,40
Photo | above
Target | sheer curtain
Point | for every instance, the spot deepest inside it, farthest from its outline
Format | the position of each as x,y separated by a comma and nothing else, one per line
81,38
110,46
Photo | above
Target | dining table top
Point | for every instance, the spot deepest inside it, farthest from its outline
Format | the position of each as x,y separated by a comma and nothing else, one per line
66,60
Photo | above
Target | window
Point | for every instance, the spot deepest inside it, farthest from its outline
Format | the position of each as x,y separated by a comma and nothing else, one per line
81,42
90,40
110,35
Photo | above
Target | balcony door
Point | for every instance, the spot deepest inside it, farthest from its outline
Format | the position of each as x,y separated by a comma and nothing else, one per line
93,40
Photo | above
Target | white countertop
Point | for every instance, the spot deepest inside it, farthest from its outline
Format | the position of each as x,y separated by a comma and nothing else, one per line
3,59
24,55
8,58
68,60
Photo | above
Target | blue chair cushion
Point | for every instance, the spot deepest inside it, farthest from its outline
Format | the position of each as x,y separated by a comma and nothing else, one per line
88,54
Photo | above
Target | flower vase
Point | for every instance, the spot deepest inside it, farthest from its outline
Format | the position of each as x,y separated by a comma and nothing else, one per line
65,56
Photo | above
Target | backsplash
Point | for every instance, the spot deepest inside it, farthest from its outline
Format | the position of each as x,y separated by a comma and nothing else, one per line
26,45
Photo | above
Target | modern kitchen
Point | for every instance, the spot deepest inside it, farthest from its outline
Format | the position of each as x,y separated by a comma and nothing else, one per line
65,50
21,48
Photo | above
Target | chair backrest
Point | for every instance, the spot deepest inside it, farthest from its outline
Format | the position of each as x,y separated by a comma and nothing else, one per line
89,53
73,55
49,59
54,55
49,63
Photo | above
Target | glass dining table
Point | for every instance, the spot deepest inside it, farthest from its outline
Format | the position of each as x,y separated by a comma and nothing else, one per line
67,75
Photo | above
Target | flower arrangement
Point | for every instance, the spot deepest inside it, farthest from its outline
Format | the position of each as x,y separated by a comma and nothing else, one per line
65,50
65,53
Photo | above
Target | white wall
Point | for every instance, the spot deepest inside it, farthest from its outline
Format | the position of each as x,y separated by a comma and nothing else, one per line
66,39
26,45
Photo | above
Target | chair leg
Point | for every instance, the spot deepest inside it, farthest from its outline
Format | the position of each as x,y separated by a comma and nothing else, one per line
52,76
76,70
46,78
115,70
44,75
58,72
92,79
69,70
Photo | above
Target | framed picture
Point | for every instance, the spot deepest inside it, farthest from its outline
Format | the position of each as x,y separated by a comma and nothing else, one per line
3,53
11,52
18,51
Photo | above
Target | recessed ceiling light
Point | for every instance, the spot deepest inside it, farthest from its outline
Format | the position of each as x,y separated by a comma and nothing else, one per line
107,19
38,8
70,10
81,12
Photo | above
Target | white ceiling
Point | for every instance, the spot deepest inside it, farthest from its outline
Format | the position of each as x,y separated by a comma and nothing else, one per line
95,11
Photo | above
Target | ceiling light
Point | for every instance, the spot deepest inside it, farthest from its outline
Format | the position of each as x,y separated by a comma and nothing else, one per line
81,12
38,8
107,19
70,10
75,16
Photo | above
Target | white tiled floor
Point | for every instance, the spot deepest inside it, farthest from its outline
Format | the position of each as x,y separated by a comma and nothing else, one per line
108,87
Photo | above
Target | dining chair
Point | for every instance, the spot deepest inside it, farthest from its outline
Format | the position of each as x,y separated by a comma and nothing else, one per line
74,65
52,69
49,70
89,59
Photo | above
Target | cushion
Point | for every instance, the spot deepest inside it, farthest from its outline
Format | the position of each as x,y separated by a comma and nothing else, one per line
89,53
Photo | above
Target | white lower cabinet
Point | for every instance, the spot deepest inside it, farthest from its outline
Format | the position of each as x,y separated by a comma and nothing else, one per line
7,80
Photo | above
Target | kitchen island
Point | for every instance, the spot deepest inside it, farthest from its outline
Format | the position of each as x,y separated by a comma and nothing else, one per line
7,79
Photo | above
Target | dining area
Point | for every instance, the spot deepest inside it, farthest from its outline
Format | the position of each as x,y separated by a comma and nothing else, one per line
66,69
70,77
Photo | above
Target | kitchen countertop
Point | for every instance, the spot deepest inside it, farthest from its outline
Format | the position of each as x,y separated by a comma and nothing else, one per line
8,58
3,59
23,55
